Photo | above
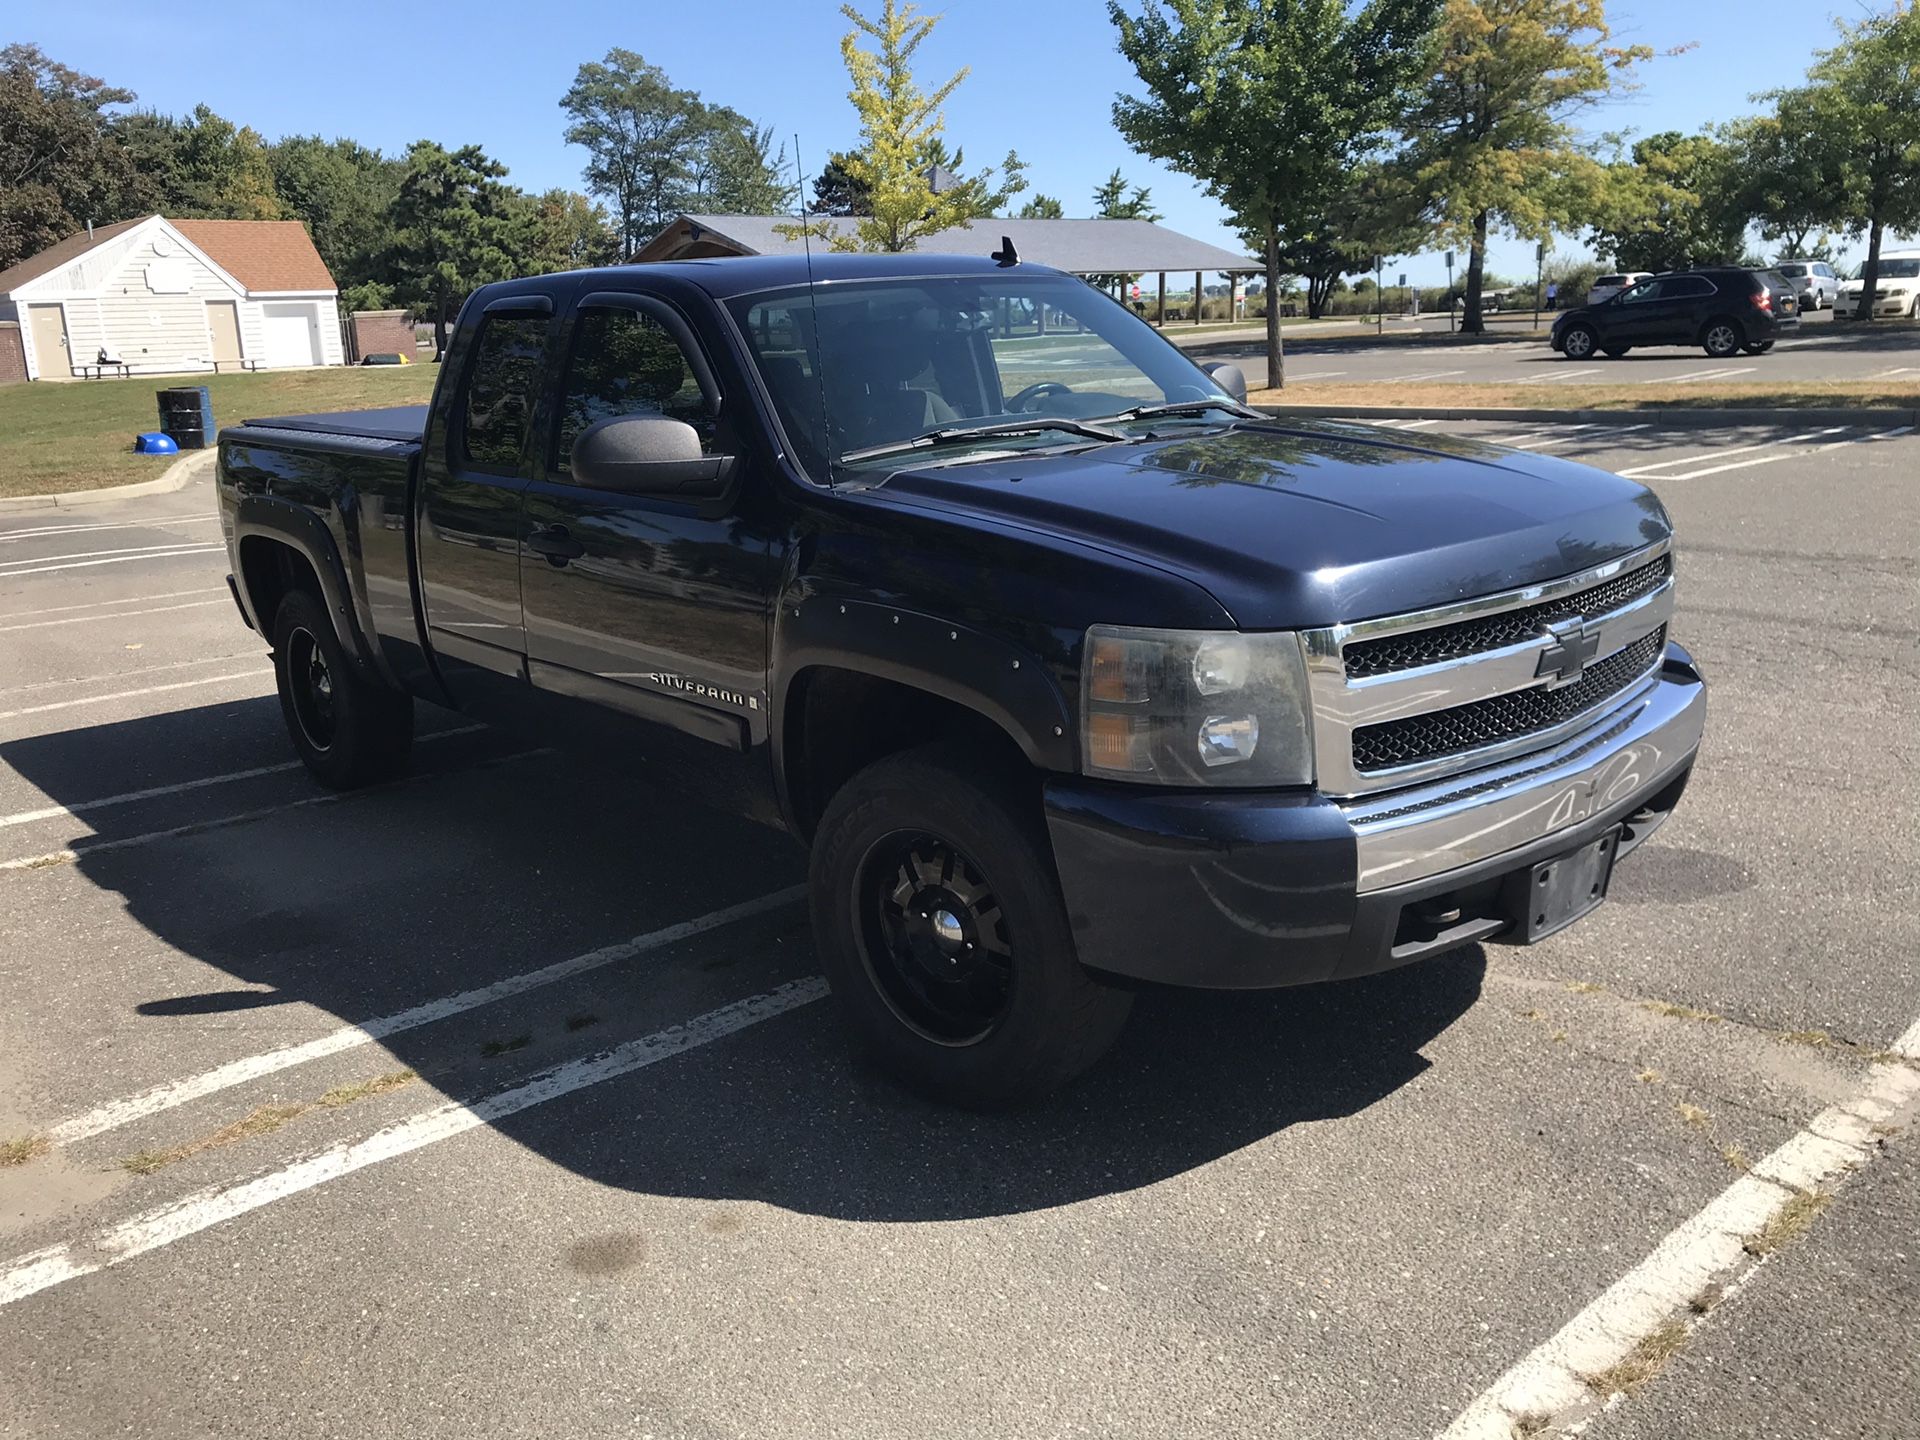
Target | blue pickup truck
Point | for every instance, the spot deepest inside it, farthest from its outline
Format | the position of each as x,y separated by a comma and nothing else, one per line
1072,670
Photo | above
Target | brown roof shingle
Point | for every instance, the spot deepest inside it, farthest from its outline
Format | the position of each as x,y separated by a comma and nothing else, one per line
261,254
60,253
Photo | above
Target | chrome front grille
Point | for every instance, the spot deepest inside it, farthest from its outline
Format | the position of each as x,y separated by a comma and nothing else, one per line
1412,697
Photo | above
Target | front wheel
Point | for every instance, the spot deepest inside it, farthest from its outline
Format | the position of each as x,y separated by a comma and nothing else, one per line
350,730
1579,342
1723,339
942,931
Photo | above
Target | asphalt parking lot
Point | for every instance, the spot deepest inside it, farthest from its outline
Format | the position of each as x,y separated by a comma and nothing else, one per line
498,1101
1821,351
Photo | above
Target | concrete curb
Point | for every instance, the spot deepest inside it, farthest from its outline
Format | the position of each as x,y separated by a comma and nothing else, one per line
1681,418
176,476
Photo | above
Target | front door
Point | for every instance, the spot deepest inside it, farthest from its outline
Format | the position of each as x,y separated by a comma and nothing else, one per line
650,605
49,326
223,331
476,472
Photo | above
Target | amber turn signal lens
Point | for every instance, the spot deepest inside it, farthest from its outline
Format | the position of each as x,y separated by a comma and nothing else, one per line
1118,671
1118,742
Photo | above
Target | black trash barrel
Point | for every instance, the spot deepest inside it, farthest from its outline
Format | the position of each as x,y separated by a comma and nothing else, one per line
186,414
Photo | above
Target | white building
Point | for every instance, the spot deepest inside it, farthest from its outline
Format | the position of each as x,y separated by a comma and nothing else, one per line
175,295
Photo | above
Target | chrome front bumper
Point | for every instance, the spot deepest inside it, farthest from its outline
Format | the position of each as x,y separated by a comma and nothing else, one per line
1632,751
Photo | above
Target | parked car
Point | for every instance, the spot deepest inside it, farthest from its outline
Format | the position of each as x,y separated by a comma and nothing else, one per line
1070,679
1607,286
1814,282
1896,289
1724,309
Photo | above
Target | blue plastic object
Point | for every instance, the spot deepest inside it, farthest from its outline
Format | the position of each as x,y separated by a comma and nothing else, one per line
152,442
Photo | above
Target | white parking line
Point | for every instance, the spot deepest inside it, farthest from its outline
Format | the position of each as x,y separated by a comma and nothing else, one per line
80,849
132,694
1532,443
1651,466
172,545
1558,376
1318,375
1720,374
81,807
120,560
1889,374
117,1244
1785,454
140,673
123,600
111,615
157,524
1419,375
1553,1379
116,1113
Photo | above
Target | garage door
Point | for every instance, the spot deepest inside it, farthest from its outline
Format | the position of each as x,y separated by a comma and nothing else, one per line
291,336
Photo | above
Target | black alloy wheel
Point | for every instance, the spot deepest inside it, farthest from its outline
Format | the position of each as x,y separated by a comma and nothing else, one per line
934,938
310,688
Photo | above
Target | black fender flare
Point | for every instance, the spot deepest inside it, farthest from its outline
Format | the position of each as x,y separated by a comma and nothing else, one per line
961,663
306,534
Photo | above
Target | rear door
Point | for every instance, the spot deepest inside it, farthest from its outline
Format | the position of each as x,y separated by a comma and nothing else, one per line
651,605
476,467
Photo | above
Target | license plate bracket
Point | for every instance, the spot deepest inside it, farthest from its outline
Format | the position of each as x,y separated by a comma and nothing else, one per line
1564,889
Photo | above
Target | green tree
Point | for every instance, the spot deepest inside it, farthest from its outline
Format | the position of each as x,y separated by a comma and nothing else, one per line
1494,142
1374,212
1042,207
59,165
566,231
458,227
1112,200
1791,178
900,136
1269,103
1680,201
201,166
1864,94
344,191
836,192
739,170
643,138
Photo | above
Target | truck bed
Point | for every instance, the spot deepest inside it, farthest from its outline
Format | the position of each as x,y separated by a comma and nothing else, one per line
400,422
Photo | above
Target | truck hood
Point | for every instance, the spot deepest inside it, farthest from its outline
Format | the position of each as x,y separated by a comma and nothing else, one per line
1294,524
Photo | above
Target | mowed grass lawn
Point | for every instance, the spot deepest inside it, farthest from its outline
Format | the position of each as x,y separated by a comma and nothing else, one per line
62,436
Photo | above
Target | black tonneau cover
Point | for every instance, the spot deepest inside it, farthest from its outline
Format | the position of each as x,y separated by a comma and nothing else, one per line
401,422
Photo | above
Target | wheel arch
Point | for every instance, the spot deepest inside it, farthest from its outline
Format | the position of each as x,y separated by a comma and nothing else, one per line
280,546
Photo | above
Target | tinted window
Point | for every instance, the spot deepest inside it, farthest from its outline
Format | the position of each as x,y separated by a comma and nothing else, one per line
1793,270
1684,287
1614,280
1646,290
501,387
625,362
1823,270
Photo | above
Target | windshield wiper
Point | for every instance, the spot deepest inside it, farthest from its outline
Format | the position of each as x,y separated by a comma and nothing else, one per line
957,434
1183,407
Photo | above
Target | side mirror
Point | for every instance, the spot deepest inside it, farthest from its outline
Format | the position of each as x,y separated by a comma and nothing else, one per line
1229,379
647,455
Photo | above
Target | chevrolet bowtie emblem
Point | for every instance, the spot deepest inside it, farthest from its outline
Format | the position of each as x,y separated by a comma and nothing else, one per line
1565,661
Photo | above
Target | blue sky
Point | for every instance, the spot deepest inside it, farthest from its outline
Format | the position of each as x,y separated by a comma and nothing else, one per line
1044,73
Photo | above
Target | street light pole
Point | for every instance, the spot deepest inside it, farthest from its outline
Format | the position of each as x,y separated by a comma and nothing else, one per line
1449,292
1539,276
1379,311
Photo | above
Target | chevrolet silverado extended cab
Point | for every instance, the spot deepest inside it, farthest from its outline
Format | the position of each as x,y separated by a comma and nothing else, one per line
1073,671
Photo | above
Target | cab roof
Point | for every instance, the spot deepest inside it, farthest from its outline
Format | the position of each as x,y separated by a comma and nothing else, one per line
724,277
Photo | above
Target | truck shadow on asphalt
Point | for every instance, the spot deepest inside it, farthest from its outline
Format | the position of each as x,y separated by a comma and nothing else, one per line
479,869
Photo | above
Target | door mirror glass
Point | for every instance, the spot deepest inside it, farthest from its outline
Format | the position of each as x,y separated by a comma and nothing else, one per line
1229,378
646,455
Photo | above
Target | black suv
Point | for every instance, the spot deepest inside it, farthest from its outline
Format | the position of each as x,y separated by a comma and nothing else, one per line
1725,309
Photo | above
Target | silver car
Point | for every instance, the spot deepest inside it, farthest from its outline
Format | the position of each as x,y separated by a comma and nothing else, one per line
1814,280
1608,285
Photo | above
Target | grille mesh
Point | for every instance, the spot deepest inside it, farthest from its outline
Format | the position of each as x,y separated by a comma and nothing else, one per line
1510,627
1487,722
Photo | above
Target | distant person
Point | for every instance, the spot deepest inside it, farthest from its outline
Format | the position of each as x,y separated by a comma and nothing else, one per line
1553,295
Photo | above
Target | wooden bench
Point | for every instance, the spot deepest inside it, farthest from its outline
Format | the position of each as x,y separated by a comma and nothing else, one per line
236,364
100,369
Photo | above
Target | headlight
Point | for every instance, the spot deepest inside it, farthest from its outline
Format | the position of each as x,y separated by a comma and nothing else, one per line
1194,707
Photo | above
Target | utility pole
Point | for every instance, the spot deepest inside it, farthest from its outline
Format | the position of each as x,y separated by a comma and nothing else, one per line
1379,312
1449,292
1539,277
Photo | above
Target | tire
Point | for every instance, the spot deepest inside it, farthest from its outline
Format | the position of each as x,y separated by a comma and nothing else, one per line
1614,352
1722,338
1758,347
988,1005
1579,342
349,730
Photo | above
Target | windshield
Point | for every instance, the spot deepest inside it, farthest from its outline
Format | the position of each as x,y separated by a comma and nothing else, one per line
890,360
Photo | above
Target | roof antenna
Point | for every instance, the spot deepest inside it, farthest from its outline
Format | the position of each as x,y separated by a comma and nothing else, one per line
813,307
1006,255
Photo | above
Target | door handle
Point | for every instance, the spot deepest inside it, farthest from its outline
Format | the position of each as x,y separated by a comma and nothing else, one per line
554,542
